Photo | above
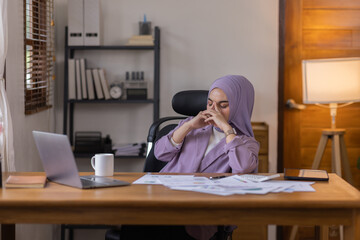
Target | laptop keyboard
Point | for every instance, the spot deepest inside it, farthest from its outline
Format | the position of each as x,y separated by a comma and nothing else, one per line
93,181
89,183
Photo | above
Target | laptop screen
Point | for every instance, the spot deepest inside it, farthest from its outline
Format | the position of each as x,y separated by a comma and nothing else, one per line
57,158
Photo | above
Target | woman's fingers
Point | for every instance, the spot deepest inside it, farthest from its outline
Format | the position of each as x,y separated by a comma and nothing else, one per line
216,108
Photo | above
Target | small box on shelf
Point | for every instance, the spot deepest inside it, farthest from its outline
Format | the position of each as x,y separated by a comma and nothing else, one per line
136,89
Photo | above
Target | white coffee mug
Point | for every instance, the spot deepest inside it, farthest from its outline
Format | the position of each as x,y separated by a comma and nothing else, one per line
103,163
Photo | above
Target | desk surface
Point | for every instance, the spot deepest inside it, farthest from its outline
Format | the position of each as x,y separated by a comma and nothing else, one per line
335,193
334,202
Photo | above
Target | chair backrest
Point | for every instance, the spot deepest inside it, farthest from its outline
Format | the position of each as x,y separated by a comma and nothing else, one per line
188,103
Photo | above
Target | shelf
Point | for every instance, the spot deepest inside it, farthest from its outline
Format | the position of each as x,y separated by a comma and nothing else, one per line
120,47
111,101
69,104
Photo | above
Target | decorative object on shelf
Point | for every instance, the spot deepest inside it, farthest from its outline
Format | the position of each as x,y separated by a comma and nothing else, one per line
116,90
135,75
136,90
145,27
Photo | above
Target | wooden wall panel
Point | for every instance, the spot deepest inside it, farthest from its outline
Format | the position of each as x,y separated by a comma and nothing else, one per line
356,39
329,53
331,4
329,39
331,19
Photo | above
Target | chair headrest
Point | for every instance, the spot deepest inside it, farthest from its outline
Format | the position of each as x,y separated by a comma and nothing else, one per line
190,102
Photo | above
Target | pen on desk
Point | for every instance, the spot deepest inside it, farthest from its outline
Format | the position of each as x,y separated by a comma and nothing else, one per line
217,177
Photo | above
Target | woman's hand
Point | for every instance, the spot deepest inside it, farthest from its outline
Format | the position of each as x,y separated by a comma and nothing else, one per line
214,117
198,121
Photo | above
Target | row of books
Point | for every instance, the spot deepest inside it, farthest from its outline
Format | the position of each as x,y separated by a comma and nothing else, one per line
86,83
132,149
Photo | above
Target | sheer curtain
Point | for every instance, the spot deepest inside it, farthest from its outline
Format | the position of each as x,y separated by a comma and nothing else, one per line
6,131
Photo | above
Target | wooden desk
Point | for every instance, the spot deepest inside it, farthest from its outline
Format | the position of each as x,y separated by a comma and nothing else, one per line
334,202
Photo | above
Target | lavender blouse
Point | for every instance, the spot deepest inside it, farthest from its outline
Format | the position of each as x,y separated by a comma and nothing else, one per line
238,156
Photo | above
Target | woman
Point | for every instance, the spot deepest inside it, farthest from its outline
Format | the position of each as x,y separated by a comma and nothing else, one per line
217,140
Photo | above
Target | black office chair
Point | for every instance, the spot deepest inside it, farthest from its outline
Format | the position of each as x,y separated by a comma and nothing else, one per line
188,103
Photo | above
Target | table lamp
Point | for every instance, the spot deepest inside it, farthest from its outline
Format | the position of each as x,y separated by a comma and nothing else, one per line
335,82
331,81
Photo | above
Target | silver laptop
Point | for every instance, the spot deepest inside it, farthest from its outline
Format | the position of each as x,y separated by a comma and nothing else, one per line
60,166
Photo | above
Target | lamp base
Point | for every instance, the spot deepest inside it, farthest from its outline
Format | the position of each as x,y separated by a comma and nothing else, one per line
338,152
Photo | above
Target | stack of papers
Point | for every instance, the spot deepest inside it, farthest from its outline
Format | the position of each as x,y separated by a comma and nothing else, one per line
131,149
234,184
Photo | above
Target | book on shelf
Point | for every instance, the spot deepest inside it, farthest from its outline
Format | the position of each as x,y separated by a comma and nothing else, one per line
78,80
104,83
141,40
83,79
90,84
71,79
25,181
98,89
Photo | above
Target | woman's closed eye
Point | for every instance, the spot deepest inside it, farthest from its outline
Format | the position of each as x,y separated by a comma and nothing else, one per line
222,104
210,103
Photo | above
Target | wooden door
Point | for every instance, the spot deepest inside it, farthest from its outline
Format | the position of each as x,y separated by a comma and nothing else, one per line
317,29
313,29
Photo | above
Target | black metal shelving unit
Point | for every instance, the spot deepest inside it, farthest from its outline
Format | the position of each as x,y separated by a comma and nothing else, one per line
69,105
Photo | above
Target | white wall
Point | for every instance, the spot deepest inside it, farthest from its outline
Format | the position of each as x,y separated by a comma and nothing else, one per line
200,41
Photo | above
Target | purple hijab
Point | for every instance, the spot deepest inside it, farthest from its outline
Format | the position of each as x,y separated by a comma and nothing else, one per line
240,94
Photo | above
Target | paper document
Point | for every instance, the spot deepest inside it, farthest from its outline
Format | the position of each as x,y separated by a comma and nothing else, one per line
156,178
226,186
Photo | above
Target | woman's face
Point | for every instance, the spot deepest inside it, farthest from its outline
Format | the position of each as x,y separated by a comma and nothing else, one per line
218,97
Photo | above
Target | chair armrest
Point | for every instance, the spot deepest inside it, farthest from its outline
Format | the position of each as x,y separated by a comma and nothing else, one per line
155,126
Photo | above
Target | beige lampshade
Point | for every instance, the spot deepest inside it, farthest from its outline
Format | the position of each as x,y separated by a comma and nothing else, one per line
334,80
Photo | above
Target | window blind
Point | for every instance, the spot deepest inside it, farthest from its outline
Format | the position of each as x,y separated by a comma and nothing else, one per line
39,54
